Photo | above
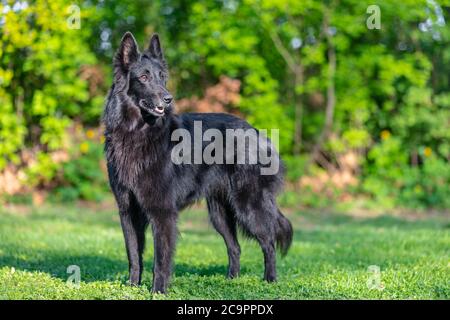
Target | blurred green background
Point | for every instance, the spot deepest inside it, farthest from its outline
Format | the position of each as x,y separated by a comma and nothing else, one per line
363,113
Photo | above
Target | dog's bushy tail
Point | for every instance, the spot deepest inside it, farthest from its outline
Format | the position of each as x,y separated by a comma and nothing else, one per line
284,233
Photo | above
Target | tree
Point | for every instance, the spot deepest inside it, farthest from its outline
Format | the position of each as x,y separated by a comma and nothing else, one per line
40,63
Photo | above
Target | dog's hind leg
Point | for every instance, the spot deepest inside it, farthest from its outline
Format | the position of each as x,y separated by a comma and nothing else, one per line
264,234
224,221
257,221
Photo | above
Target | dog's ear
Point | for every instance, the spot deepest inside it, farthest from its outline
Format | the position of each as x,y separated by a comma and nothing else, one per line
154,48
127,53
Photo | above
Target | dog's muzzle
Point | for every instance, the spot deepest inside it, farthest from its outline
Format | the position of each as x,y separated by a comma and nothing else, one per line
157,110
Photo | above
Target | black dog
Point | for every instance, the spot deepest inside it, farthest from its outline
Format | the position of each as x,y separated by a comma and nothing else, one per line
150,188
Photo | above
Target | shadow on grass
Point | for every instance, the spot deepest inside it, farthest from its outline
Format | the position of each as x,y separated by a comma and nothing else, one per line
100,268
92,268
183,269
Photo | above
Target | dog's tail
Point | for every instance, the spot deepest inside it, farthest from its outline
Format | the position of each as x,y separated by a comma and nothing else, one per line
284,233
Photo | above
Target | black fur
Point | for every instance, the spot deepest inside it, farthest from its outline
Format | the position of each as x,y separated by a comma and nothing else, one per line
151,189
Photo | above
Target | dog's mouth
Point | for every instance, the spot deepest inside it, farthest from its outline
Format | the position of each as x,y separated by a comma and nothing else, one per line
147,108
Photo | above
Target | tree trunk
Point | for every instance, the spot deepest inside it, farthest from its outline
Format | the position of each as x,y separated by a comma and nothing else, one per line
331,95
298,127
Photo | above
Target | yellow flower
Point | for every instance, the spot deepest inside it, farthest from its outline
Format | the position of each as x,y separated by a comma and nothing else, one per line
427,151
90,134
102,139
417,189
84,147
385,134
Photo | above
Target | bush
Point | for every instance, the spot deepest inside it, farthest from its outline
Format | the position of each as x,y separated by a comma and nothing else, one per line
41,90
82,176
392,181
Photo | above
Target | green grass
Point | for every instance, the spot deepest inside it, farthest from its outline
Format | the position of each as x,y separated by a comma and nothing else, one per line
329,258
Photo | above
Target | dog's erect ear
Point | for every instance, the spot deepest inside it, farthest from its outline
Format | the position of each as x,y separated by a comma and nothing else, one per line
127,53
154,48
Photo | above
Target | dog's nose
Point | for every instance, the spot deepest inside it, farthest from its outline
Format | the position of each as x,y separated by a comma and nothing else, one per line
168,98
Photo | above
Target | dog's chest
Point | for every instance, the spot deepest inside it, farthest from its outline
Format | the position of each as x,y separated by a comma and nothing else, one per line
132,156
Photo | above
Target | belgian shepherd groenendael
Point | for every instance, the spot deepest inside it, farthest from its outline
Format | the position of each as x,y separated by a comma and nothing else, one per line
150,188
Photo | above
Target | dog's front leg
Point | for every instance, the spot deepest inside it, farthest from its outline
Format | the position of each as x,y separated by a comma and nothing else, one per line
134,224
134,233
164,238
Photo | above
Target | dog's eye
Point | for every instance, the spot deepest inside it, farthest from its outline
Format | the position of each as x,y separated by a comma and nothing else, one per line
144,78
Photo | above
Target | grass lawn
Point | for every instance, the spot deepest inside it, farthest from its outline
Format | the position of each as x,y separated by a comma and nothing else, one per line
329,258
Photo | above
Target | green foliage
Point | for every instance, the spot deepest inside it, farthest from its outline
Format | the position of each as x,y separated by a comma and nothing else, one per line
383,79
394,183
390,83
25,198
294,167
12,132
329,258
42,171
40,61
81,176
308,198
229,42
426,186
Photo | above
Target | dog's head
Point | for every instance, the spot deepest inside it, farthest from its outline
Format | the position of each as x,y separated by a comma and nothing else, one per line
143,76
